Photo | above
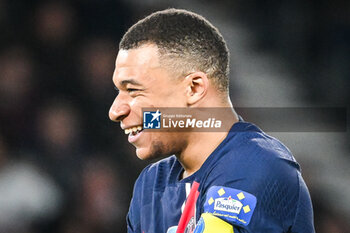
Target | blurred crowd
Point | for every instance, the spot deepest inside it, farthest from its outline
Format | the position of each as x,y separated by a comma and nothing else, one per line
312,37
64,167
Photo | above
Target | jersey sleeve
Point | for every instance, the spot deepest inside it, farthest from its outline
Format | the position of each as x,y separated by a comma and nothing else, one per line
261,193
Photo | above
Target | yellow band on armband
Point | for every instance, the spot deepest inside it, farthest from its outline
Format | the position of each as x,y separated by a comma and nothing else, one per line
208,223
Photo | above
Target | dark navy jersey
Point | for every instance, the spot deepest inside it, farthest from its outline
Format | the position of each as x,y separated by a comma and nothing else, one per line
251,181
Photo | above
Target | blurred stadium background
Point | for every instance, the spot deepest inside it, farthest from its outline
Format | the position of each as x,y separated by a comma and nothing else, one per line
64,167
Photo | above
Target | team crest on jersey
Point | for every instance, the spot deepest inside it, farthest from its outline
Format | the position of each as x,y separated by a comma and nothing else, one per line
232,205
200,226
190,226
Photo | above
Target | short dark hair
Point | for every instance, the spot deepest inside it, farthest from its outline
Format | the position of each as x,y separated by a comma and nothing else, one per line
190,41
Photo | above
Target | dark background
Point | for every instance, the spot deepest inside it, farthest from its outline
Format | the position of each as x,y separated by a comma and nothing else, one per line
65,167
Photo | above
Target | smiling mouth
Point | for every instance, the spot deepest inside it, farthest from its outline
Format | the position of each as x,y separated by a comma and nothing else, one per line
133,130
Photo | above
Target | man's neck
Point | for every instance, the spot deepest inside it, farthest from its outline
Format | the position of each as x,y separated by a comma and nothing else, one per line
201,145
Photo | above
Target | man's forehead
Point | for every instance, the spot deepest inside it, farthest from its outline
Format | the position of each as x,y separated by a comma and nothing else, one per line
127,73
135,63
145,56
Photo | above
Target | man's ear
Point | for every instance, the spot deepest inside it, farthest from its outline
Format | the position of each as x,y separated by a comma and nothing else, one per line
197,85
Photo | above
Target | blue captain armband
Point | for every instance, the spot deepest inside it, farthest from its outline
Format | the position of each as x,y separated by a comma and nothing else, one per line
208,223
231,205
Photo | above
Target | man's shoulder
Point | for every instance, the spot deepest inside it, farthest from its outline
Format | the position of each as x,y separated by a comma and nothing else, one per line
262,173
258,148
254,154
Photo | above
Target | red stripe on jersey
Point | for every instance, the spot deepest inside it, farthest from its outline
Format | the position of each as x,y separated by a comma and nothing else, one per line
189,210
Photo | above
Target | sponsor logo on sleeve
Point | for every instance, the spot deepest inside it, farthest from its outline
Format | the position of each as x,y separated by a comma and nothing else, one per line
228,204
231,205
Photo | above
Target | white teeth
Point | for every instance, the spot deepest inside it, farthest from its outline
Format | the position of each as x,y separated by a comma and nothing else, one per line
133,129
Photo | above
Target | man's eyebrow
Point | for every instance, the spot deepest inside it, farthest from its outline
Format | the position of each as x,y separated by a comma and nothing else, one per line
129,81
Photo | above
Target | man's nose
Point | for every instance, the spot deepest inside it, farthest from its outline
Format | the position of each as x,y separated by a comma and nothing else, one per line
118,111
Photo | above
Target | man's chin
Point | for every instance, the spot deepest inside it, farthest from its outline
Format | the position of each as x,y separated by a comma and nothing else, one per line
148,154
144,154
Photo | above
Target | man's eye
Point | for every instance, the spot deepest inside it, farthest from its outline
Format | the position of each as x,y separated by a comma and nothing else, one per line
131,89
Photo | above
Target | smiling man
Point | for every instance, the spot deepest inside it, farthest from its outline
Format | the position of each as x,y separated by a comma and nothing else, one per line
234,180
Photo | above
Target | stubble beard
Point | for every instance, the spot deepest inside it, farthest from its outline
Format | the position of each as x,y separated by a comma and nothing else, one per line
160,149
